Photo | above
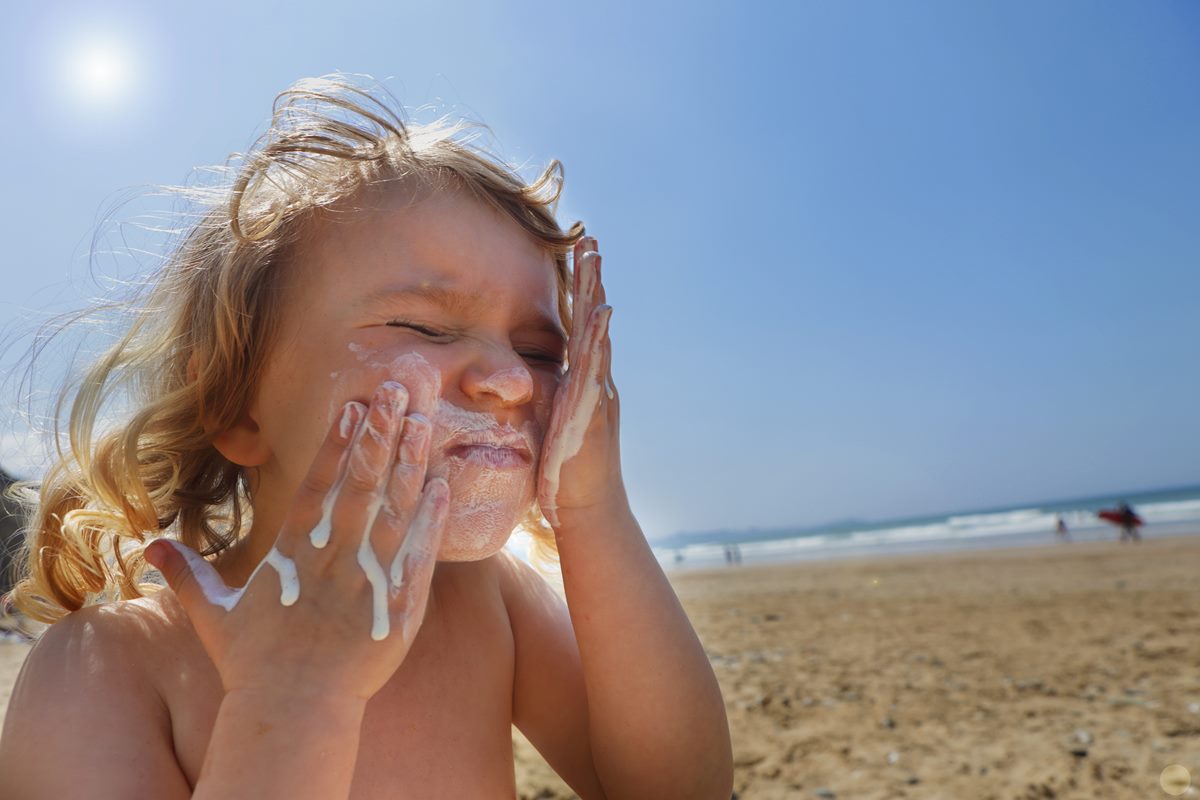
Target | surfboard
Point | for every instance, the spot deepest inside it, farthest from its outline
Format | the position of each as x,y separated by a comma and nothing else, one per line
1117,517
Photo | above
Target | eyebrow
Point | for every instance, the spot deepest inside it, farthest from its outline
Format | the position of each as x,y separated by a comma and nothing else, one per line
455,302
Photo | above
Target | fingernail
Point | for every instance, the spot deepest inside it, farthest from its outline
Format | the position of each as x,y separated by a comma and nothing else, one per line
393,395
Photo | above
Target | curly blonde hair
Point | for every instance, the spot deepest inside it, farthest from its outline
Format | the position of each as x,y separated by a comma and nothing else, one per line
212,305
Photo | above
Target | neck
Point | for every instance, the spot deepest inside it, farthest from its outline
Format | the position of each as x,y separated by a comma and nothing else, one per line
236,564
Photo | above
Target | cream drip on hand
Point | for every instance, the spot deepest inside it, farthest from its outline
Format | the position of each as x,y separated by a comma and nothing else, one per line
319,536
217,593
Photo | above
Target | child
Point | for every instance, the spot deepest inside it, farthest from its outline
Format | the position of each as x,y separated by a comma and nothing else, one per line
359,373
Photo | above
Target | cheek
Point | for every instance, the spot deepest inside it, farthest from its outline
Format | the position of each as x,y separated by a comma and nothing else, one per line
371,367
545,385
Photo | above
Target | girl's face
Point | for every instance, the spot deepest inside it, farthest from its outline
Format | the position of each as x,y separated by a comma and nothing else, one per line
448,297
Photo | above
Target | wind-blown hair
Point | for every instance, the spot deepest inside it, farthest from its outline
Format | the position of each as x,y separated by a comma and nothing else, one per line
201,333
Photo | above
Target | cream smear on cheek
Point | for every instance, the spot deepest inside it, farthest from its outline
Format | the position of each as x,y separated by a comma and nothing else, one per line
485,504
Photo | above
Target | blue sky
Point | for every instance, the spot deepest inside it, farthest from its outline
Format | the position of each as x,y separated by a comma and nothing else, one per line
868,259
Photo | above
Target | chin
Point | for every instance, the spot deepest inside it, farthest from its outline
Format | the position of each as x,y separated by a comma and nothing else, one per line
486,506
473,535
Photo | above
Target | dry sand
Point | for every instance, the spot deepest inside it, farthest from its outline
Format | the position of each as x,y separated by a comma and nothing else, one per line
1070,671
1061,672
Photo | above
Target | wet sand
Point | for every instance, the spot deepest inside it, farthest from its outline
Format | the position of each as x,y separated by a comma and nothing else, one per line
1070,671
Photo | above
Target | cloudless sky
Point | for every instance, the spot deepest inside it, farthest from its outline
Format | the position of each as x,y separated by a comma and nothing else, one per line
867,259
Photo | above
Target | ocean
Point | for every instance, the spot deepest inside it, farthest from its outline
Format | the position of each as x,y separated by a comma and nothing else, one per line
1166,512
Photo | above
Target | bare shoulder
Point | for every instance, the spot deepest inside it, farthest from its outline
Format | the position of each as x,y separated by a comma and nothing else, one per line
536,609
518,581
85,712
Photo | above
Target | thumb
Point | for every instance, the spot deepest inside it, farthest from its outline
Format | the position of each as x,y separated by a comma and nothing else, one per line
194,581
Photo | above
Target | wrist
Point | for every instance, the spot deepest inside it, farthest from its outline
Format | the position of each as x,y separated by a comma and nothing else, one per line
613,511
297,703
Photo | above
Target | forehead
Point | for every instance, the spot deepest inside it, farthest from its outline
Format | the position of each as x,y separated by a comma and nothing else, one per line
434,237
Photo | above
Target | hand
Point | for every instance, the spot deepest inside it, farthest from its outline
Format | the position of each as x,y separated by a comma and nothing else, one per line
323,612
580,465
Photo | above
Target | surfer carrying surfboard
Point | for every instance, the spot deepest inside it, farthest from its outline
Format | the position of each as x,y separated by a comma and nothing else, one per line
1126,519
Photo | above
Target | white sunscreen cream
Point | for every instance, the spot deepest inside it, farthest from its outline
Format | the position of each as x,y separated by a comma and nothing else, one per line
569,432
489,487
367,560
319,536
380,623
486,499
219,594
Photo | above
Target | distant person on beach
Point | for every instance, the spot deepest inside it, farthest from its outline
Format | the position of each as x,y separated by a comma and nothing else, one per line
371,357
1130,522
1060,528
1125,518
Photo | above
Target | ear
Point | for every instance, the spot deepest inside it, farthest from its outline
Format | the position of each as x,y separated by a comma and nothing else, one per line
244,443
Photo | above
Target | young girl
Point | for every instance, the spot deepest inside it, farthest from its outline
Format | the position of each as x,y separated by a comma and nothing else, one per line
359,372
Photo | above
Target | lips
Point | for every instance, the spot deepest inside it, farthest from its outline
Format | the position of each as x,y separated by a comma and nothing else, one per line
490,448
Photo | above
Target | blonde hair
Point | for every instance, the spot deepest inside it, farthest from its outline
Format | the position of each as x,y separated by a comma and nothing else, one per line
213,306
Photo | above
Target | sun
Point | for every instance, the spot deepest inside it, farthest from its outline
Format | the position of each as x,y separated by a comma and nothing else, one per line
101,70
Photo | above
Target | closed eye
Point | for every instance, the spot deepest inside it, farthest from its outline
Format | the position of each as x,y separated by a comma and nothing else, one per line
421,329
548,358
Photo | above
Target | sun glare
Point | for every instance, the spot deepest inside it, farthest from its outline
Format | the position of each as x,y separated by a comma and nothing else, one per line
101,71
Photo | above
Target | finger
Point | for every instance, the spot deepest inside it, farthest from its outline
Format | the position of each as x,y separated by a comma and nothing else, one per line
201,592
310,503
576,316
584,298
371,454
598,294
606,369
589,289
415,563
404,485
599,361
581,247
589,370
418,552
589,267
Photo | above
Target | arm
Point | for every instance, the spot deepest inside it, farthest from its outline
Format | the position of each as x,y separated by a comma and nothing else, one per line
85,721
285,746
655,716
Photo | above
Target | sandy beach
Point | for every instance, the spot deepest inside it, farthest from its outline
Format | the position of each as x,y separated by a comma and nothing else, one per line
1070,671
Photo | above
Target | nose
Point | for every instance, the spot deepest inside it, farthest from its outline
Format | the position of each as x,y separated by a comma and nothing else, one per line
491,381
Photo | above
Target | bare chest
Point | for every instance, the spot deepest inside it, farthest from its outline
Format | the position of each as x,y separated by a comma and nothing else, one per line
441,727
